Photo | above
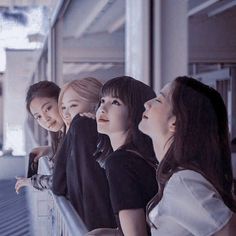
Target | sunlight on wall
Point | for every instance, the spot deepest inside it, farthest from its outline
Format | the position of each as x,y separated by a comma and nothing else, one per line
14,35
15,140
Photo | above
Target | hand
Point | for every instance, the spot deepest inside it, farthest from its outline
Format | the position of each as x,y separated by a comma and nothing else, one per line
88,114
41,151
22,182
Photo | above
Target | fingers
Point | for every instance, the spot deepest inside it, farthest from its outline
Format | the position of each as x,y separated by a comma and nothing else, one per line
21,182
88,114
36,159
17,186
19,177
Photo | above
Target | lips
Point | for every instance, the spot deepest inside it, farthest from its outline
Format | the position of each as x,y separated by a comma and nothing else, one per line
144,116
51,125
102,119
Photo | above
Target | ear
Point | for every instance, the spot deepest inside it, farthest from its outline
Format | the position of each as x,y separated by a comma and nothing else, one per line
172,124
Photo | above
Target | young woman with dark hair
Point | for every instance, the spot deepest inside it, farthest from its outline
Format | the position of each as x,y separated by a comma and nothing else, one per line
41,103
130,165
187,123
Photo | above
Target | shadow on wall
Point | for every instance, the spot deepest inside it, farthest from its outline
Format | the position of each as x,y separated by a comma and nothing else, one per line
233,158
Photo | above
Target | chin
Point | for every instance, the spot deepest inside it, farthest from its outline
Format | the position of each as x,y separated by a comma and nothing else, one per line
141,127
56,129
100,130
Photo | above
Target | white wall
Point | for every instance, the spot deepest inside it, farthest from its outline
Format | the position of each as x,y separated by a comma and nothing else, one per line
19,66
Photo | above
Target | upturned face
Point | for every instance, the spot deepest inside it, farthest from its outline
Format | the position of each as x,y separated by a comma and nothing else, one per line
112,116
158,121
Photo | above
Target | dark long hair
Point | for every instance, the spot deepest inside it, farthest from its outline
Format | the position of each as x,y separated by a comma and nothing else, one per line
133,94
200,141
44,89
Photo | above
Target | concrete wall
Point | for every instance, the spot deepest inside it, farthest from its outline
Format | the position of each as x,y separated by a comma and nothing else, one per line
2,75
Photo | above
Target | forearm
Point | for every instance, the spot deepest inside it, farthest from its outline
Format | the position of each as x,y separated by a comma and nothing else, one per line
41,182
133,222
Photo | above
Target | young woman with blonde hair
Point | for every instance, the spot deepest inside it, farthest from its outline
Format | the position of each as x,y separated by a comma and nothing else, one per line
77,175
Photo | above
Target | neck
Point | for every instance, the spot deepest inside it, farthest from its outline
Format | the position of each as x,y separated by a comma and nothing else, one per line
117,140
160,148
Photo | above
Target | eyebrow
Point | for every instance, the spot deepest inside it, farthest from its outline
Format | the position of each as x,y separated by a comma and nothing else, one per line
163,94
45,104
74,100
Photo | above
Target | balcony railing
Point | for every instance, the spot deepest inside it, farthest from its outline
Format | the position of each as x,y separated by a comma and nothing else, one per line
64,219
51,215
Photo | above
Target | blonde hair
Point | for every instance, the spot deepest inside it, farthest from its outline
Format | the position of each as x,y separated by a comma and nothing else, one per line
87,89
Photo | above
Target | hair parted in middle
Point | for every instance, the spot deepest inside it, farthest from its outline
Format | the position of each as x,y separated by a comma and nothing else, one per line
45,89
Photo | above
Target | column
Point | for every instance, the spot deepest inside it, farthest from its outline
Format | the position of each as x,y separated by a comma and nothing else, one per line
170,41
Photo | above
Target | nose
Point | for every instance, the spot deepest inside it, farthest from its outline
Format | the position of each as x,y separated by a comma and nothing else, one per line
102,108
147,104
66,114
46,117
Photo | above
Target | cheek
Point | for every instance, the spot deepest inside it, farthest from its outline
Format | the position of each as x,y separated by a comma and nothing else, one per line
122,122
73,113
63,114
42,124
55,113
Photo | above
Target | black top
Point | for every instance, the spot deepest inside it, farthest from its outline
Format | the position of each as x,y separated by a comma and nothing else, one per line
131,180
79,177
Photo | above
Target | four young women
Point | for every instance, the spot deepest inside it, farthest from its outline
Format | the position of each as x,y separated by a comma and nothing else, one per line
187,124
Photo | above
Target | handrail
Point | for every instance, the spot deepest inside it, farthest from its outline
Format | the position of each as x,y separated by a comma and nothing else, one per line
67,221
61,218
73,225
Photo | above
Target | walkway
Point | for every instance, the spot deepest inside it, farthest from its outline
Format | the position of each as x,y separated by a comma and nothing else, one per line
14,212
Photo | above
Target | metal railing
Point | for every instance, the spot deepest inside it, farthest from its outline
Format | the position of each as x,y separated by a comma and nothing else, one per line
64,219
51,215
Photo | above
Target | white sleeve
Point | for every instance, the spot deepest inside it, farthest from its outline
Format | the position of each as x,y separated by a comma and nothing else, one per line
190,206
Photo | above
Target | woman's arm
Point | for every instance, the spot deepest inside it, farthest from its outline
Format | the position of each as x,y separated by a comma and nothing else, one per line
22,182
229,229
39,182
133,222
41,151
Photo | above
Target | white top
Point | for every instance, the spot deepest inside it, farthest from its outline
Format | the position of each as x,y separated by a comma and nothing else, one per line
190,206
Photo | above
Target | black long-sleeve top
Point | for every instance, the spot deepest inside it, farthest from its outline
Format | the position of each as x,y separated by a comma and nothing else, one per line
78,176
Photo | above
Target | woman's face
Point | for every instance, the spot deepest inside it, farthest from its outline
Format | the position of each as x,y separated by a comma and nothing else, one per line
45,111
158,121
112,116
71,105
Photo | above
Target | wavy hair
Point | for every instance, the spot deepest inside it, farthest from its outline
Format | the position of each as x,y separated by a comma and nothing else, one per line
200,141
